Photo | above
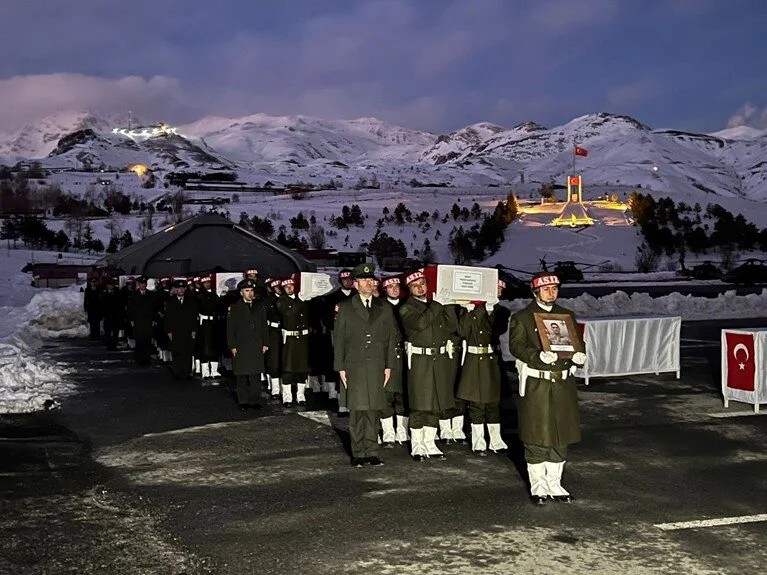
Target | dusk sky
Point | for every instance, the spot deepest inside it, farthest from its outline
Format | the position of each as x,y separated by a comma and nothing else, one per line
435,65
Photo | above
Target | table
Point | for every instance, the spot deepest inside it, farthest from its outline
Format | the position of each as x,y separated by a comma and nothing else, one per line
618,346
743,366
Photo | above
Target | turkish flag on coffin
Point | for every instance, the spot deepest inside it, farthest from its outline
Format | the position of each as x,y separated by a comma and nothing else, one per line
581,151
741,364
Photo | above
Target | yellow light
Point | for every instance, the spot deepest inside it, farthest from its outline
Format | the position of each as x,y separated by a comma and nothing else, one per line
139,169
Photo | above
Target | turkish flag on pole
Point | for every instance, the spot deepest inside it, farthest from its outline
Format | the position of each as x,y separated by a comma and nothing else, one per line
741,363
581,151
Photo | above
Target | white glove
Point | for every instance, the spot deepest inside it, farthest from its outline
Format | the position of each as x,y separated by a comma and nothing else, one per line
579,358
469,306
548,357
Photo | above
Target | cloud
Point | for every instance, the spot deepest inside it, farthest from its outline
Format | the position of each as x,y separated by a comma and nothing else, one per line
749,115
635,94
30,98
573,15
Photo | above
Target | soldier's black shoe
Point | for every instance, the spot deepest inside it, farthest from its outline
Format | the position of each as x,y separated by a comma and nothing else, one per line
538,499
373,461
388,445
499,451
301,403
480,452
287,404
357,462
418,457
563,498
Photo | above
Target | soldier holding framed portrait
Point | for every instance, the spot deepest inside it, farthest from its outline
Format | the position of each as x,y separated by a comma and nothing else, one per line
549,419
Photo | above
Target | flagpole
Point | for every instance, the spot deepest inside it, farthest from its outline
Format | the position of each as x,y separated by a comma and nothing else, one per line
574,148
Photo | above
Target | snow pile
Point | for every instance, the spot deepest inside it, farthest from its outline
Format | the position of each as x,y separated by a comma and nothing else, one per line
27,382
725,306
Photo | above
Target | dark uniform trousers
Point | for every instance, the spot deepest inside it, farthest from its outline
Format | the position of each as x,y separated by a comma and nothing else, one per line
395,404
364,426
484,412
248,388
542,454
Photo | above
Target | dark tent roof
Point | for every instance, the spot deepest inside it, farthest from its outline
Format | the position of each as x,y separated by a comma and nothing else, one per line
205,243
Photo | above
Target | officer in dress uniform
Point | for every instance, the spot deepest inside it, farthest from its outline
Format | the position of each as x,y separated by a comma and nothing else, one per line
142,307
294,318
480,381
247,339
181,325
429,329
395,390
366,337
549,419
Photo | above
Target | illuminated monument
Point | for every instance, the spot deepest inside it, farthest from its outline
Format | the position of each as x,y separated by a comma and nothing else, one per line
574,213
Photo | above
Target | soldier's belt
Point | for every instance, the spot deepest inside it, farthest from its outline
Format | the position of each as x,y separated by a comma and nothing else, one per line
274,324
297,333
427,350
549,375
480,349
206,317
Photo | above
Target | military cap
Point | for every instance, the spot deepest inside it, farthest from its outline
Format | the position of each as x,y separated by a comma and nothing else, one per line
364,271
204,279
141,280
343,274
544,279
179,283
251,271
392,281
275,283
246,284
415,276
289,282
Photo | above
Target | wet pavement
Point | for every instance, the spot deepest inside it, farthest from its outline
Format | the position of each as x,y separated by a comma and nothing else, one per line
138,473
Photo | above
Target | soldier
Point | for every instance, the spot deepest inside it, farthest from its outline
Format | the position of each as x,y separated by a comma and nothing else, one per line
366,335
429,328
246,337
395,389
549,420
252,275
294,318
181,327
160,335
142,307
328,306
274,337
92,307
480,381
207,345
113,310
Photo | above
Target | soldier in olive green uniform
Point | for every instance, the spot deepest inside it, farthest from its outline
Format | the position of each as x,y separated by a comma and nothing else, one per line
395,389
274,288
294,318
366,337
480,382
246,336
429,329
549,419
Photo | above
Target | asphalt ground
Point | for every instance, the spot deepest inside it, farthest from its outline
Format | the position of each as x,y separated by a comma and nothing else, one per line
137,473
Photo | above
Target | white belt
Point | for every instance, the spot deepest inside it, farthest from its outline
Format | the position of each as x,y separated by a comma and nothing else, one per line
546,374
427,350
480,349
297,333
274,324
206,318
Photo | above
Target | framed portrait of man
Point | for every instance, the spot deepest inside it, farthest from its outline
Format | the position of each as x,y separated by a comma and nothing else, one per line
559,333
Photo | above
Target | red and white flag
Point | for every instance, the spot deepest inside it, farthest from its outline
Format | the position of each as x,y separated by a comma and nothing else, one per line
741,363
581,151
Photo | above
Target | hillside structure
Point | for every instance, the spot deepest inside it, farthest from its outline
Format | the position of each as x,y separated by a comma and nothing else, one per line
205,243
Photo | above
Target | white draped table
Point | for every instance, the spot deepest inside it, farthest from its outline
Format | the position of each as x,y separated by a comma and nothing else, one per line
630,345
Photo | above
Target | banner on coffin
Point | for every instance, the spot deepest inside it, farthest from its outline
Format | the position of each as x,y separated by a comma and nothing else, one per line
314,284
743,368
457,284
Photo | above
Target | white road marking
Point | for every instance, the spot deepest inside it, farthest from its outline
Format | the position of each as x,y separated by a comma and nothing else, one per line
712,522
735,414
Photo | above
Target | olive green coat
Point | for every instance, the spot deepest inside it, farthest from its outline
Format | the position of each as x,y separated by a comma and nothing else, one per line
246,331
294,316
397,381
548,413
431,378
480,380
365,344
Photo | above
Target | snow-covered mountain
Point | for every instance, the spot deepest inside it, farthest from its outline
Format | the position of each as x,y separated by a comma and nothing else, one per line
622,151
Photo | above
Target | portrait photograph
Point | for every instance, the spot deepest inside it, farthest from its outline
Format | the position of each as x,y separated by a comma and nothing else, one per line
559,333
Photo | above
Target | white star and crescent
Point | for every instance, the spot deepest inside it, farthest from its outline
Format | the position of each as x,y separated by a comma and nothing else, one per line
741,365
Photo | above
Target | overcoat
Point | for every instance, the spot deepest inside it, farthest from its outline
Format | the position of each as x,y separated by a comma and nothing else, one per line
365,345
397,381
246,331
294,316
208,348
480,380
430,379
548,413
141,311
274,336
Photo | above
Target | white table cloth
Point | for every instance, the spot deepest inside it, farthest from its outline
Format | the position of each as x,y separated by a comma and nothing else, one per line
630,345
